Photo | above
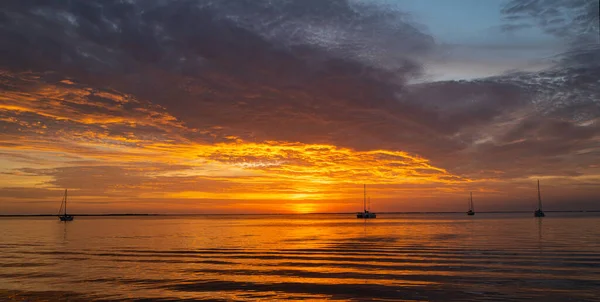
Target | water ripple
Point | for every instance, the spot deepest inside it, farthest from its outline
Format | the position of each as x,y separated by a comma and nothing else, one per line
218,260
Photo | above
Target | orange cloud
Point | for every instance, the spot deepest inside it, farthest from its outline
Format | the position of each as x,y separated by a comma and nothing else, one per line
117,152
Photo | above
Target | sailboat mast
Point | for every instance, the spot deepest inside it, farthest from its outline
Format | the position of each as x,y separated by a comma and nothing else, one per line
539,196
365,198
471,202
65,202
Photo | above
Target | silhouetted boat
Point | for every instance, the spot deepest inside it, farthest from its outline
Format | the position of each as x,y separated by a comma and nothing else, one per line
365,213
471,210
539,212
63,205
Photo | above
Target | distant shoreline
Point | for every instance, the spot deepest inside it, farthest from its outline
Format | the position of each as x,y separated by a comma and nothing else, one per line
284,214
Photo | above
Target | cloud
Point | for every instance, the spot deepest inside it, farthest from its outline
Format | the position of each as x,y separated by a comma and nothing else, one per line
277,92
573,20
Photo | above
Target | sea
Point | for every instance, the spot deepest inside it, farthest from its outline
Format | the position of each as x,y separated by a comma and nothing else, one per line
313,257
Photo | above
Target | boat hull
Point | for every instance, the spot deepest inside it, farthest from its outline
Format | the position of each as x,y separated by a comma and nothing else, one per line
539,213
65,218
470,213
366,215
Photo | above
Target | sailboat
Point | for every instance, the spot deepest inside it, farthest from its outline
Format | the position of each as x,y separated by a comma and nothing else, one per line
539,212
365,213
471,211
63,205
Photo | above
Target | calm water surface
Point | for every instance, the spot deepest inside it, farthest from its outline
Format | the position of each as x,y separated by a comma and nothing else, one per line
450,257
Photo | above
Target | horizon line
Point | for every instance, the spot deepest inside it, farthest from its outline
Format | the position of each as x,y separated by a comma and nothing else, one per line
265,214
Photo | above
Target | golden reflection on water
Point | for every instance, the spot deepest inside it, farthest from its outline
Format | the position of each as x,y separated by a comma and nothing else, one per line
407,257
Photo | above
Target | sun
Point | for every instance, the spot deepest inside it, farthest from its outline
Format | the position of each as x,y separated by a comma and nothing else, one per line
304,208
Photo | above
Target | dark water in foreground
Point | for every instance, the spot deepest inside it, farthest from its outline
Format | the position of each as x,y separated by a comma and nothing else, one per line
451,257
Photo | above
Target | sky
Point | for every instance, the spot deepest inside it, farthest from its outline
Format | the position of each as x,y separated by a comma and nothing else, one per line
290,106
